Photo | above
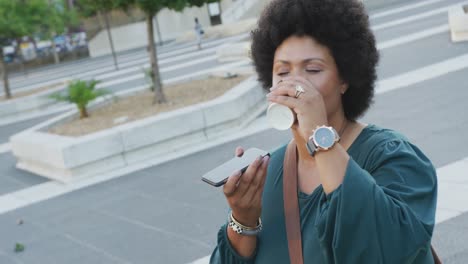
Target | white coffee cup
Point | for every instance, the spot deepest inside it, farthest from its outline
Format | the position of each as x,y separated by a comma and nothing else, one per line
280,117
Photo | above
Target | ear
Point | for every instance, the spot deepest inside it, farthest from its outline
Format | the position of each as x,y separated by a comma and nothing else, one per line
343,88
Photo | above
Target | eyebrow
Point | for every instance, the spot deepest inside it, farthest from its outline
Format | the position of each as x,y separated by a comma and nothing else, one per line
303,61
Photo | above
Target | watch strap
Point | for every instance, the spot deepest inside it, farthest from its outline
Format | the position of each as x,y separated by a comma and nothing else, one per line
311,148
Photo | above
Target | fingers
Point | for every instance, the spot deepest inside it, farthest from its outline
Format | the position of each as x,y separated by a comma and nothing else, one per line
244,187
257,198
298,79
243,193
285,93
288,101
248,176
287,90
239,152
231,185
288,87
256,185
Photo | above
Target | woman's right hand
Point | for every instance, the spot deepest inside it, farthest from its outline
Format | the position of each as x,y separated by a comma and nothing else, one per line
244,191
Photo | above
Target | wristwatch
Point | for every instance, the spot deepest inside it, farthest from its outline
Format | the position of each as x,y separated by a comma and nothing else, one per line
323,138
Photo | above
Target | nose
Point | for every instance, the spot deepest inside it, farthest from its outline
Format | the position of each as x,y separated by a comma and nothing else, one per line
298,71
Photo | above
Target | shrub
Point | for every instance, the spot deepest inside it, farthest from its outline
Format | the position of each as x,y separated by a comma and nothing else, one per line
80,93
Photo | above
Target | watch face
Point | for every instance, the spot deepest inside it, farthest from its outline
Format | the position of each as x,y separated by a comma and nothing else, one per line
324,137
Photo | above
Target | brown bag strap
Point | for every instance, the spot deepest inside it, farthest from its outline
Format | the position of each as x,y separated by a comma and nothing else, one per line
291,207
434,255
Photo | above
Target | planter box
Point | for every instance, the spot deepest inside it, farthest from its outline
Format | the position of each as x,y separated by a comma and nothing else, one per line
66,158
37,101
458,21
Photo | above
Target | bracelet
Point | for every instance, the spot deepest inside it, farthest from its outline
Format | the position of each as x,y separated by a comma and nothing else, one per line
242,229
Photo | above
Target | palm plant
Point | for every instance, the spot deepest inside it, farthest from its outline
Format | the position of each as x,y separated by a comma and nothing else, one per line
80,93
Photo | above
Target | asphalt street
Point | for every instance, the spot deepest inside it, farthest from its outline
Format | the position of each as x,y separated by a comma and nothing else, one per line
166,214
130,63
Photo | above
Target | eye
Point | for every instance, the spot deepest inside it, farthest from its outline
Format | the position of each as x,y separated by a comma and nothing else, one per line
282,73
313,70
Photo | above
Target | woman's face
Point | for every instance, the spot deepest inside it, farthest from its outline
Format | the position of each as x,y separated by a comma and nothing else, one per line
304,57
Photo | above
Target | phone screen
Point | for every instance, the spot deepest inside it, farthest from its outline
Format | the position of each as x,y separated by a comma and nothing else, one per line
219,175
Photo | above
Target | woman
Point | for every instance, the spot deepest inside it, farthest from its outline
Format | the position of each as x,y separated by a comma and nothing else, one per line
198,33
369,198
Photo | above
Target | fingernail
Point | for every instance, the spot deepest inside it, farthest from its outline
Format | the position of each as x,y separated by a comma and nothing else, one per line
266,158
259,158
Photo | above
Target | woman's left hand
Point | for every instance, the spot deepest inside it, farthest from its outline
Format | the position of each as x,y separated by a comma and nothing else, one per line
309,106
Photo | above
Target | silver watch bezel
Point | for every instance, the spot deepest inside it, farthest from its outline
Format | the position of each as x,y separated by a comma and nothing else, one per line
312,145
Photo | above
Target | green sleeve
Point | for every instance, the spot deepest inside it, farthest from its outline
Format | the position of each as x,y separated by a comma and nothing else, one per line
384,214
224,253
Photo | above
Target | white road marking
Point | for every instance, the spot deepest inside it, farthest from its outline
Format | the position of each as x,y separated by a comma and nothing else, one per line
208,45
163,59
413,37
403,8
186,76
161,62
422,74
411,18
5,148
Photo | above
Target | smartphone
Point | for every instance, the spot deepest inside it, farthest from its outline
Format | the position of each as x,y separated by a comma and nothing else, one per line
219,175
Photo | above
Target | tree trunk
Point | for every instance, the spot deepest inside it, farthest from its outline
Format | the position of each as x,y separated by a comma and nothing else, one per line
4,71
83,112
111,42
19,54
33,41
100,19
54,50
158,30
158,91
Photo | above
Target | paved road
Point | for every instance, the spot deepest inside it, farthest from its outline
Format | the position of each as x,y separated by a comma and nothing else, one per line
171,60
12,179
165,214
6,131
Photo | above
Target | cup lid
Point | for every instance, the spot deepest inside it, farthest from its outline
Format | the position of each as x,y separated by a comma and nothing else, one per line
280,117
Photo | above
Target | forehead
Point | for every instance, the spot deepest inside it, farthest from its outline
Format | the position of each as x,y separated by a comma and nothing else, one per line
295,49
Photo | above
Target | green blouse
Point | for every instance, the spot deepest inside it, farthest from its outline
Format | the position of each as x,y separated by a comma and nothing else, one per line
383,212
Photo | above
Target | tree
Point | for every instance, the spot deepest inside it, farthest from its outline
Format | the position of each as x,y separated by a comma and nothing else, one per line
88,8
151,8
17,19
59,20
80,93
